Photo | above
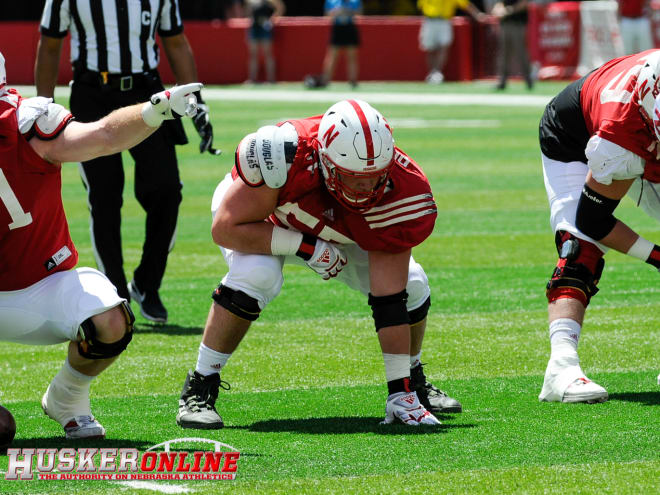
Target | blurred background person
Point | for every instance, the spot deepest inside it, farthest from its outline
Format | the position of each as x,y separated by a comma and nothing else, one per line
344,38
436,34
635,26
263,14
512,40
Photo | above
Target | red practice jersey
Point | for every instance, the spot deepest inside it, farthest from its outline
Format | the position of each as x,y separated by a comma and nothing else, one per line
403,218
34,234
610,101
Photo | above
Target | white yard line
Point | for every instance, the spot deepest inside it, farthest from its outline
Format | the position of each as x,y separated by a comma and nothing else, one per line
156,487
445,99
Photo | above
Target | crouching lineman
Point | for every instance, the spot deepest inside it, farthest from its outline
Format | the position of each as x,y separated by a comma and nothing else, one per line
42,299
599,141
340,198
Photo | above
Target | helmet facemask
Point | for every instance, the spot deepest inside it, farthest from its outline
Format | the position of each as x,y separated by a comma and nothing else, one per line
358,200
355,142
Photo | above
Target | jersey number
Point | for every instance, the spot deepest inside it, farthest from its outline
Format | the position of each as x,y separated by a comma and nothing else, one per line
18,216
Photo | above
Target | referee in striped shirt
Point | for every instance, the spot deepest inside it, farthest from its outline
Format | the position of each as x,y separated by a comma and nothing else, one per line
115,58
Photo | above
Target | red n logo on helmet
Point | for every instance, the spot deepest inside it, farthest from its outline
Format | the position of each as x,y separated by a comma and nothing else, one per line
329,137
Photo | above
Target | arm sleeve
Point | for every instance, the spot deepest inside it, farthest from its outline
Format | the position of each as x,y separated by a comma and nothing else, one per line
170,22
608,161
55,19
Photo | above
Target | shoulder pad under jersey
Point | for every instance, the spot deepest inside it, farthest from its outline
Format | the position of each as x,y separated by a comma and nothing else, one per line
45,117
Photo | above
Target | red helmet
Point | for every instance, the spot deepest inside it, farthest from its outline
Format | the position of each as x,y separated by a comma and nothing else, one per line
355,142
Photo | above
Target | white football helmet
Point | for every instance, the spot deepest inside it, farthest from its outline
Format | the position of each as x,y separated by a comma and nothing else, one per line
647,90
3,74
355,142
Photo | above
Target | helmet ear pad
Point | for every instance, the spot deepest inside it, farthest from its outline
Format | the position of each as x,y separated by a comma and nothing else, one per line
355,141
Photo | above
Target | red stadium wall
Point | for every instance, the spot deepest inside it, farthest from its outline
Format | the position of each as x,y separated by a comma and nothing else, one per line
389,50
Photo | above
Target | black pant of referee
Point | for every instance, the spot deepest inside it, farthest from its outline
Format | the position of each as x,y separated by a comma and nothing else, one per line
157,186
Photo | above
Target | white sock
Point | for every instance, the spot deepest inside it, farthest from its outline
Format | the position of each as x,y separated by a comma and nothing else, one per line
564,337
416,359
396,366
210,361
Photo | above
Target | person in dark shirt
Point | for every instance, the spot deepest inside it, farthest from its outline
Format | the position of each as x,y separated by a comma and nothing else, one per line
512,15
260,36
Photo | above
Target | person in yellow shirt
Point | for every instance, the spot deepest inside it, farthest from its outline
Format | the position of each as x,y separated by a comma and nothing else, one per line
436,33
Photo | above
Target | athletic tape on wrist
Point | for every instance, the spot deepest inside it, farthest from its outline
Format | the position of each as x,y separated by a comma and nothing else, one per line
150,116
641,249
285,242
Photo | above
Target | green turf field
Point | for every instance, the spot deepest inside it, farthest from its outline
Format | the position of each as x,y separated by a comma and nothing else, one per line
308,380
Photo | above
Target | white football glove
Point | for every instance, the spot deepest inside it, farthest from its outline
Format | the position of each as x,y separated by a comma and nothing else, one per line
171,104
328,260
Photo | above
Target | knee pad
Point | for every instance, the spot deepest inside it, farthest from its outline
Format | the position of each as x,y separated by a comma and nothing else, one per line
417,315
237,302
390,310
578,270
91,348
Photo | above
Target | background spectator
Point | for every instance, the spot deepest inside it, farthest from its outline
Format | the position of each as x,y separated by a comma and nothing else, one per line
262,13
635,26
512,15
436,34
344,38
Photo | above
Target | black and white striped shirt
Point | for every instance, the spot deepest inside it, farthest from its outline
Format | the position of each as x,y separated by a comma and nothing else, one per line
115,36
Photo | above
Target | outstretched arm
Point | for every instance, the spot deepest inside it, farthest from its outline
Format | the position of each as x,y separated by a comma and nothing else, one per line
120,130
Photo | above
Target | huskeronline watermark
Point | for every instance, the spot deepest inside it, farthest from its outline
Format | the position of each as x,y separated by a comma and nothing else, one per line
125,463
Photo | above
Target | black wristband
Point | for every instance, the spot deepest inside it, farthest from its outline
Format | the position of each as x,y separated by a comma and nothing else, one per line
198,95
307,246
654,257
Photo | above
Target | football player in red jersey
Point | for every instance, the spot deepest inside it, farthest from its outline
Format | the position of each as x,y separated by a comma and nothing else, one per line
599,142
43,300
332,193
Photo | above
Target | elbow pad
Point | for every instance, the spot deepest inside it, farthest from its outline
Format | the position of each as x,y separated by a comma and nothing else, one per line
594,216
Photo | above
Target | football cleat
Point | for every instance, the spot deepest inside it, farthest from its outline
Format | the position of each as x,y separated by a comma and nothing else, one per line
404,407
84,427
430,396
197,402
584,390
151,307
75,427
566,382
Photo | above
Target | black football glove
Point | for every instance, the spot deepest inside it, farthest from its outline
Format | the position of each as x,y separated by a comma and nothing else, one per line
204,127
